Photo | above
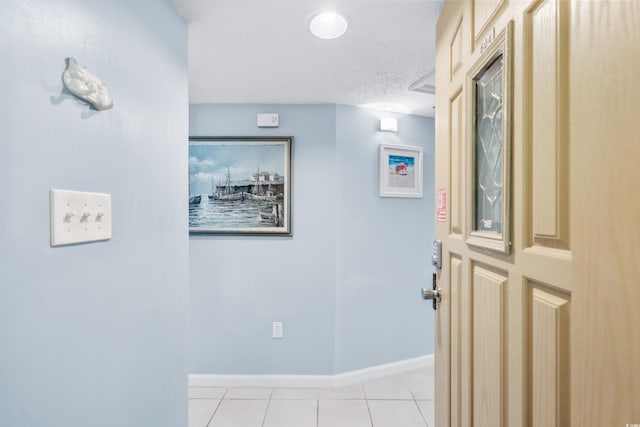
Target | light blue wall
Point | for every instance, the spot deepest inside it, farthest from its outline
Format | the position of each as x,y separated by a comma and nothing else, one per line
239,285
346,240
383,246
94,334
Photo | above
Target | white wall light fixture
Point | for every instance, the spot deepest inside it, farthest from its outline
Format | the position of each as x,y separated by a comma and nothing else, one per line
389,124
328,25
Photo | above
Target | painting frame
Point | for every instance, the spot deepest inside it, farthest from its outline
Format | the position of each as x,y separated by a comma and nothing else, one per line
400,171
250,190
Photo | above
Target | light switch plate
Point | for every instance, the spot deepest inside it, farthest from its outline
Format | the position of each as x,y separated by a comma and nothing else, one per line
79,217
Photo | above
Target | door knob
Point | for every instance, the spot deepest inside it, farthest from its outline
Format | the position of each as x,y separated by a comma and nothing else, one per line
432,294
428,294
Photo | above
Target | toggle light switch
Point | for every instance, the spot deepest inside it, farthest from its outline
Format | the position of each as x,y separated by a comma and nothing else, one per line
78,217
85,217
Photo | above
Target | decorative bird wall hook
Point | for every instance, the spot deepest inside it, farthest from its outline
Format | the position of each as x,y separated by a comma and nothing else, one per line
86,86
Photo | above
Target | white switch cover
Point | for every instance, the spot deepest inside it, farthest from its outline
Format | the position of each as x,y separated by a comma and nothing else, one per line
78,217
277,330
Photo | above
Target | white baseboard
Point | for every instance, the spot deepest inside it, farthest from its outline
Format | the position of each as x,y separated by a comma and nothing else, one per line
378,371
311,381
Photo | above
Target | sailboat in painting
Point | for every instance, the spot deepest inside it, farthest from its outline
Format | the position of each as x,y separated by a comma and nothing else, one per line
257,193
227,191
212,196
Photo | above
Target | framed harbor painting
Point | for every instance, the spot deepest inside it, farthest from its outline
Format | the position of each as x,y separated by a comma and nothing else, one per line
240,185
400,171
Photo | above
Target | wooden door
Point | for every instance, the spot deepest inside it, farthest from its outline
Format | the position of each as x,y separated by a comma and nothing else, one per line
539,322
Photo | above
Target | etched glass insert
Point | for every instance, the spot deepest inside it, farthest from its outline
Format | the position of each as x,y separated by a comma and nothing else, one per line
488,147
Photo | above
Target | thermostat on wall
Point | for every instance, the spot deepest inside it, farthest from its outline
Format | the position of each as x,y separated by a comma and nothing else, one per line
268,120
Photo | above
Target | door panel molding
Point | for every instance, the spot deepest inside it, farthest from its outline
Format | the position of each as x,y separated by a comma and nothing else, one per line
456,142
549,343
545,75
488,350
455,50
484,13
456,354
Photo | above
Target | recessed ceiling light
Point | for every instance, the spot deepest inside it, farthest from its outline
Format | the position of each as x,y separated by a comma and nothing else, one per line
328,25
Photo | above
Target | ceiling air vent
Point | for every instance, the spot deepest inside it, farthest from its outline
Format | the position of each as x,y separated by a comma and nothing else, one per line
426,84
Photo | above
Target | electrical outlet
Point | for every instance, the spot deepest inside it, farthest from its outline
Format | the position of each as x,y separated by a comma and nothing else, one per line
277,330
78,217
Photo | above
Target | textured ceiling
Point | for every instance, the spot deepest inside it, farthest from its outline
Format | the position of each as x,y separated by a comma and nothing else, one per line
243,51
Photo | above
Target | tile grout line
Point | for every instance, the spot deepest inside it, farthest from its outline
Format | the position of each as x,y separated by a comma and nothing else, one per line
264,418
369,411
393,399
415,401
424,418
215,410
366,400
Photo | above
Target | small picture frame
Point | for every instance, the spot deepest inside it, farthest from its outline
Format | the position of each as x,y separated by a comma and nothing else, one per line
400,171
240,185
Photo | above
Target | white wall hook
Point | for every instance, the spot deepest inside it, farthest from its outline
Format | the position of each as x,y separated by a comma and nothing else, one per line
85,85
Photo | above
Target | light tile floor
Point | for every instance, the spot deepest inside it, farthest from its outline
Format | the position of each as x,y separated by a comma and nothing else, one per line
402,400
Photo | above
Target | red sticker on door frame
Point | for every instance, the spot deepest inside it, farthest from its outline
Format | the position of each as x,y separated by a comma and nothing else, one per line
441,205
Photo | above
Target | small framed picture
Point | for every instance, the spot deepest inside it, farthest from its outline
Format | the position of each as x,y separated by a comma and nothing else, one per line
400,171
240,185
